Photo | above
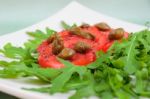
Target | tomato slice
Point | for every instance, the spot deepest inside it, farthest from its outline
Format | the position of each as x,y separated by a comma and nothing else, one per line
83,59
49,62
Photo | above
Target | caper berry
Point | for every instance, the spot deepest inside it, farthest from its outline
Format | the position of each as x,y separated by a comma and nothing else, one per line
102,26
88,35
116,34
78,31
82,47
66,53
57,46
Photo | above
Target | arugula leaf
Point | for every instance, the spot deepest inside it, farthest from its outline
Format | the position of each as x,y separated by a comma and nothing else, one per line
83,92
37,34
66,26
13,52
107,95
3,63
41,35
20,70
13,71
87,90
123,95
38,37
100,59
67,72
43,74
139,82
123,72
130,60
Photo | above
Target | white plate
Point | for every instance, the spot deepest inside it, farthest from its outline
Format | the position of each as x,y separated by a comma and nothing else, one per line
74,12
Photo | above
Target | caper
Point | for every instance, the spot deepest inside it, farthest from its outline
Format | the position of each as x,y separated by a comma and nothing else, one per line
102,26
85,25
82,47
66,53
116,34
51,38
88,35
57,46
78,31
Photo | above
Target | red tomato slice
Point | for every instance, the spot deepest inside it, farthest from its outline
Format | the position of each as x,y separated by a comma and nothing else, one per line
49,62
83,59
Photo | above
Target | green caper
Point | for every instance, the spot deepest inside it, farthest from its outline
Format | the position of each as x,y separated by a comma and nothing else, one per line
57,46
102,26
82,47
66,53
116,34
78,31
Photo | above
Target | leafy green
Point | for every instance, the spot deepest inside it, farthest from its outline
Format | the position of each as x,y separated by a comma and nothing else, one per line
130,60
43,74
38,37
122,72
14,52
66,26
13,71
67,72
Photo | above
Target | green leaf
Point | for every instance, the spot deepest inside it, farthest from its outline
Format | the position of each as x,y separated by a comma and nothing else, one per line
75,83
130,60
43,74
3,63
67,72
88,89
14,52
37,34
118,63
101,86
74,68
123,95
139,82
38,37
17,69
107,95
13,71
65,25
83,92
49,32
145,94
103,58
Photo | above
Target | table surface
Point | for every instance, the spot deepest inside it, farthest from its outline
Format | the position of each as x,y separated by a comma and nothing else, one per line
18,14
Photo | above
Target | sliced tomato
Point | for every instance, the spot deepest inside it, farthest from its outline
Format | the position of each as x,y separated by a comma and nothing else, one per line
83,59
49,62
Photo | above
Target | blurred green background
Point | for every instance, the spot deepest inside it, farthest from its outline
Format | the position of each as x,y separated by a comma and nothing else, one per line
18,14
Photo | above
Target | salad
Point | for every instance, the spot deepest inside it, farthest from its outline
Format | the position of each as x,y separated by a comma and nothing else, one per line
92,60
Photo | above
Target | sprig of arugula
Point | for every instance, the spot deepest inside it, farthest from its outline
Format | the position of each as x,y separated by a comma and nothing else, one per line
123,72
